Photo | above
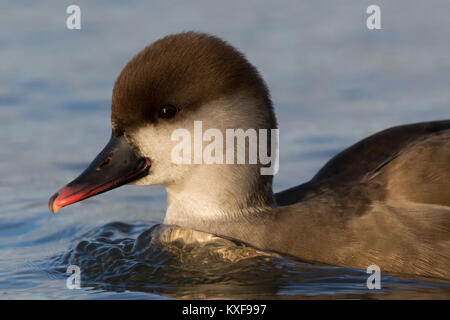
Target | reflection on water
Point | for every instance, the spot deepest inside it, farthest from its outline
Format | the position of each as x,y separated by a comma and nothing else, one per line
187,264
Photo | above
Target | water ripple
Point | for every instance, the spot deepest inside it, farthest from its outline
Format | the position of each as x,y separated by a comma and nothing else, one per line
181,263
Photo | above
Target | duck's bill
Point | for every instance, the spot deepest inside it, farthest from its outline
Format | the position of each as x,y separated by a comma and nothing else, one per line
117,164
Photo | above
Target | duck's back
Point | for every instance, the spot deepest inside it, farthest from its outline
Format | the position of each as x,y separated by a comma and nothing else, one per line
413,159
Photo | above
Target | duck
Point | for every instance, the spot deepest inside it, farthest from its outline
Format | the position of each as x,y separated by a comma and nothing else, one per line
383,201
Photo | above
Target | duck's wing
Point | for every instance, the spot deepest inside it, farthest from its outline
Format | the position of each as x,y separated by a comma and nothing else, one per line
367,158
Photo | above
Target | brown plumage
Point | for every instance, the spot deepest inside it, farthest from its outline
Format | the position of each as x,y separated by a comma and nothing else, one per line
384,200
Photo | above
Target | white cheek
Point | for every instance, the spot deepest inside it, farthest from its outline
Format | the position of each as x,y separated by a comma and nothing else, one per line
155,143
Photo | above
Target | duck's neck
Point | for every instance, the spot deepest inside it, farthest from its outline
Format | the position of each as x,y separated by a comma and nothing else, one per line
211,196
246,212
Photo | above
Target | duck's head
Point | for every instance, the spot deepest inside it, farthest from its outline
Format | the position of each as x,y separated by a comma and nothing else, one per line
169,85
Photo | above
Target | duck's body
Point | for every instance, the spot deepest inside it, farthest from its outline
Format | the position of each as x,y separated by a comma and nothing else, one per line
383,201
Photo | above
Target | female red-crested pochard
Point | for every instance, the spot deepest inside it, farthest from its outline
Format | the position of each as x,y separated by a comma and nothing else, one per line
384,201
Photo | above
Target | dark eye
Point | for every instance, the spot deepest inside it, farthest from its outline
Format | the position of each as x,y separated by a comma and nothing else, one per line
167,111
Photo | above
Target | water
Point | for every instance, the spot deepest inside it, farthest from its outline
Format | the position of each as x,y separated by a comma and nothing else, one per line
332,82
